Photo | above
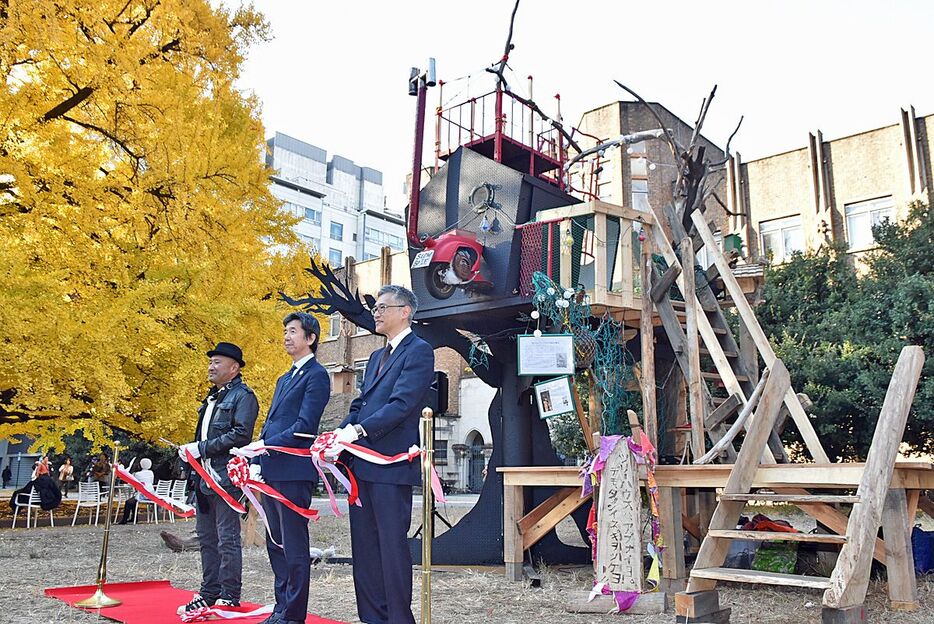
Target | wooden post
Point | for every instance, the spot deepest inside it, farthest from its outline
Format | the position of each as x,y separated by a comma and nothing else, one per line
647,334
583,418
513,509
692,345
674,576
899,558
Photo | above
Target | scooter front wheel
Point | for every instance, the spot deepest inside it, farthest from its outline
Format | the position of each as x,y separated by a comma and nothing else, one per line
434,280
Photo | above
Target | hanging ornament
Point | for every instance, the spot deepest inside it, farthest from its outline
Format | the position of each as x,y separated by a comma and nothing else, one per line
484,225
568,293
550,291
535,314
537,333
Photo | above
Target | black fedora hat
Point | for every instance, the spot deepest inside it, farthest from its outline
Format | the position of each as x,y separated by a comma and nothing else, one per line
230,350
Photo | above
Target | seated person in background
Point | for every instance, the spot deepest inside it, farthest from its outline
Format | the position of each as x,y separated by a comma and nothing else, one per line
100,471
145,476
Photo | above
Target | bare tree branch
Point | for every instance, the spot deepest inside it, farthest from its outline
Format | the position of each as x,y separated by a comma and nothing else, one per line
676,149
60,109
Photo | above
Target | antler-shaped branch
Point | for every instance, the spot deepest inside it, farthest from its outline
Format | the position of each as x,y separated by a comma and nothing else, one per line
336,297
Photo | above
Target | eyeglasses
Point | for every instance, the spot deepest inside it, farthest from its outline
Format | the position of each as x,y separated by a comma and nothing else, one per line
381,308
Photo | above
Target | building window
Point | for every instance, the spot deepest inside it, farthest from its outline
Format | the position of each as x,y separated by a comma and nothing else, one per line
861,217
334,326
640,194
382,239
359,372
311,241
781,238
441,452
336,258
337,231
313,215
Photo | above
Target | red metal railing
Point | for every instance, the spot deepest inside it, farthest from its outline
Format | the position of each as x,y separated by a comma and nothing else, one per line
498,117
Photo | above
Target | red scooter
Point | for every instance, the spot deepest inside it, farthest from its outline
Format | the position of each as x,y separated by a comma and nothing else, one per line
452,261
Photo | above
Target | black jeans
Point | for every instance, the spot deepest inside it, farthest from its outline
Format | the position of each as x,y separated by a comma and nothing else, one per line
218,529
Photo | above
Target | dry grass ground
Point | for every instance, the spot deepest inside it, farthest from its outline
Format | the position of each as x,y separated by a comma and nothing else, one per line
33,559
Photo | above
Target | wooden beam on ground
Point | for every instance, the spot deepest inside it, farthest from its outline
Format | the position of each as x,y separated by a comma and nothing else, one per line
850,577
646,604
697,404
762,343
647,334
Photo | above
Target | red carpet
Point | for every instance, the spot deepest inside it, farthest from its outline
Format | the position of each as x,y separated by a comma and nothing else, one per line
150,602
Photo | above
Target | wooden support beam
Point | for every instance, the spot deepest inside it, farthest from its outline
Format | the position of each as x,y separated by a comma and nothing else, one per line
534,517
550,520
582,418
647,334
762,343
926,505
899,558
698,405
659,290
673,571
850,577
513,553
725,410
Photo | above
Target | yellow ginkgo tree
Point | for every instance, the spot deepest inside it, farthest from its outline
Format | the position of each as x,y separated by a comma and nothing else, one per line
136,221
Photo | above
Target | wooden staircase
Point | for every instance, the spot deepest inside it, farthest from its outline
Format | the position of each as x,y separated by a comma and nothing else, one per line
845,589
700,314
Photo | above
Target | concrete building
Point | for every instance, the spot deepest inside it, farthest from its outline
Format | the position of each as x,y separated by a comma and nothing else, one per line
19,459
833,190
794,201
341,205
463,441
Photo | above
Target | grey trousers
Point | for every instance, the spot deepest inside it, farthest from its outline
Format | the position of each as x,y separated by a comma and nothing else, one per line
218,528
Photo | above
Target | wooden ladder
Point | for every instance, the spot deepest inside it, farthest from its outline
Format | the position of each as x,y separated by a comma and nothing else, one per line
846,587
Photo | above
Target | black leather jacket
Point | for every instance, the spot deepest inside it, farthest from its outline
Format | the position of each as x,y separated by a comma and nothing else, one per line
232,424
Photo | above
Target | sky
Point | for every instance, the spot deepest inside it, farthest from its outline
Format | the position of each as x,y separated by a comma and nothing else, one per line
335,74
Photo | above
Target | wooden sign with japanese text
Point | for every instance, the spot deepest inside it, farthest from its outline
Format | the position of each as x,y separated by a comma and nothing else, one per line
619,530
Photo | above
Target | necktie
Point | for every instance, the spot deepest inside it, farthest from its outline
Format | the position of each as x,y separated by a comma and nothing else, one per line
384,358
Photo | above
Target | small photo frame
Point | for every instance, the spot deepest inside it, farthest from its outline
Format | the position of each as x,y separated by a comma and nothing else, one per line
554,397
548,354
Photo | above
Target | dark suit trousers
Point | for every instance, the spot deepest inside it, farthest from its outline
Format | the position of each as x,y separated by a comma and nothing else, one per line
382,570
291,564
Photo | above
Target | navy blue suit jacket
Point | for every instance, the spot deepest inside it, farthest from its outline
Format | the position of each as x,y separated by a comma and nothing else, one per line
389,408
296,406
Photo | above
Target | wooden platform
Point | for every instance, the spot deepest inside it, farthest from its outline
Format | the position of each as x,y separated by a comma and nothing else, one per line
521,529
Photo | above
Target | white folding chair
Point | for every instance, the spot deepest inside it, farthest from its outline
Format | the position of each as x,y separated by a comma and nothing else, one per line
89,495
179,491
30,501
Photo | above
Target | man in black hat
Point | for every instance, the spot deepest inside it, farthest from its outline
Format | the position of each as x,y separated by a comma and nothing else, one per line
226,420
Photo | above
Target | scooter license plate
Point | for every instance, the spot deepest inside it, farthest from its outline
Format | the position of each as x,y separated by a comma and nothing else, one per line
423,259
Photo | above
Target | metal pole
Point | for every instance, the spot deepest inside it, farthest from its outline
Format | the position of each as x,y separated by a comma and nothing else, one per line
428,529
99,599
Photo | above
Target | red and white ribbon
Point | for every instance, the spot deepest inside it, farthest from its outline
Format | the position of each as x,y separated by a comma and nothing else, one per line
217,489
179,508
213,613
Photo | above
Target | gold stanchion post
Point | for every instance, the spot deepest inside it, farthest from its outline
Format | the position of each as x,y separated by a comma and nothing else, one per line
428,530
99,599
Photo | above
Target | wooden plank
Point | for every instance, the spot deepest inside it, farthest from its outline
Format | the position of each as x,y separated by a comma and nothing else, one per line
512,540
913,497
550,520
626,264
647,334
802,499
850,577
763,536
646,604
696,401
926,505
533,517
899,558
715,376
600,267
713,552
660,289
564,264
765,578
762,343
725,410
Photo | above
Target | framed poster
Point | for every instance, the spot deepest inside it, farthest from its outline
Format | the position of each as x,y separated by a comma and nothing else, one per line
554,397
548,354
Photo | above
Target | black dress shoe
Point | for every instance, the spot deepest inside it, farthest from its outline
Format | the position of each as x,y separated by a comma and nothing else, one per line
274,618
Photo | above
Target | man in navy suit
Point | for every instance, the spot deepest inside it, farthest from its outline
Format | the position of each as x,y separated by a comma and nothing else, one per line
297,404
385,418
